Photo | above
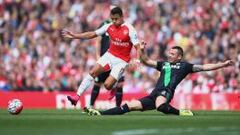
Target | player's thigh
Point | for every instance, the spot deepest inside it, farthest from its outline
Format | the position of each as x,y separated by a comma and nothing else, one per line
115,74
118,70
110,81
96,70
135,105
105,61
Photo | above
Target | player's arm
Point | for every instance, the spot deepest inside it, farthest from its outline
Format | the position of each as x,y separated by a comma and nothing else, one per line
138,50
208,67
144,58
136,43
85,35
98,45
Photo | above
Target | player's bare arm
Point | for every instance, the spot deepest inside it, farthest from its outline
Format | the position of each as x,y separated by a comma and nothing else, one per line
208,67
98,45
85,35
144,59
138,49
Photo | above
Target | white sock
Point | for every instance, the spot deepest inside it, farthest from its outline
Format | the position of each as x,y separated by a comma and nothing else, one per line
85,84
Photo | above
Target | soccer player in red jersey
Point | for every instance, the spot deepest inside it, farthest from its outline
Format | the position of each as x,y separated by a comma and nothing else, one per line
122,37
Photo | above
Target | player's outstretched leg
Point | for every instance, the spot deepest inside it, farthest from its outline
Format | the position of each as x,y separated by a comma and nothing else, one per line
168,109
113,111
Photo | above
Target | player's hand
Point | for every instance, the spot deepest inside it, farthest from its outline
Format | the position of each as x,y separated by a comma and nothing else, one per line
142,45
67,34
229,63
135,63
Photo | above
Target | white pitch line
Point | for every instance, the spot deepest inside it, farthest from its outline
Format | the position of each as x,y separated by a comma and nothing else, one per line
136,132
177,130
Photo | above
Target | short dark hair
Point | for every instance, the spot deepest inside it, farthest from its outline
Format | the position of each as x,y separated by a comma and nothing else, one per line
179,49
117,10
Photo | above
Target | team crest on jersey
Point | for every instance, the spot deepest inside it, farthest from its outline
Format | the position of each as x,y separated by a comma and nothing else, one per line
125,32
111,29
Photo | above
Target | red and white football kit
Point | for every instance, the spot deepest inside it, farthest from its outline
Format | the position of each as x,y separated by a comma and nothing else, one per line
122,39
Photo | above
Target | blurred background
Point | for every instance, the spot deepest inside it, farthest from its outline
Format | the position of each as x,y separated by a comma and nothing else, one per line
34,57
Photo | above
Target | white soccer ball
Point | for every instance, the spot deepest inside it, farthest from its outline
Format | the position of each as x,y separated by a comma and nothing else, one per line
15,106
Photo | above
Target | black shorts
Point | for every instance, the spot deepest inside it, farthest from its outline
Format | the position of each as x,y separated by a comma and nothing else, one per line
103,76
148,102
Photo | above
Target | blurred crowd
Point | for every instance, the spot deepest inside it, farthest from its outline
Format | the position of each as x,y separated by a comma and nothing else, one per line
34,56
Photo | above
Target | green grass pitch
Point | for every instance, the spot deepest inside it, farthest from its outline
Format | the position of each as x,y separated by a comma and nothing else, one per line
73,122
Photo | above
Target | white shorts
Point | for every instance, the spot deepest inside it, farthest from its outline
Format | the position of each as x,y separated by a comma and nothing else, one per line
117,65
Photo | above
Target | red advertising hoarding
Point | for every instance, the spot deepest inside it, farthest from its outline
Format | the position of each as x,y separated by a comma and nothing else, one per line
58,100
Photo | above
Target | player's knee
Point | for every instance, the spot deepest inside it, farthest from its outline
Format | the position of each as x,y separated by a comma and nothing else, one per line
163,108
108,86
134,105
93,74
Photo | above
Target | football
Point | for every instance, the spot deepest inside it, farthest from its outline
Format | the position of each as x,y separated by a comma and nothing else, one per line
15,106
